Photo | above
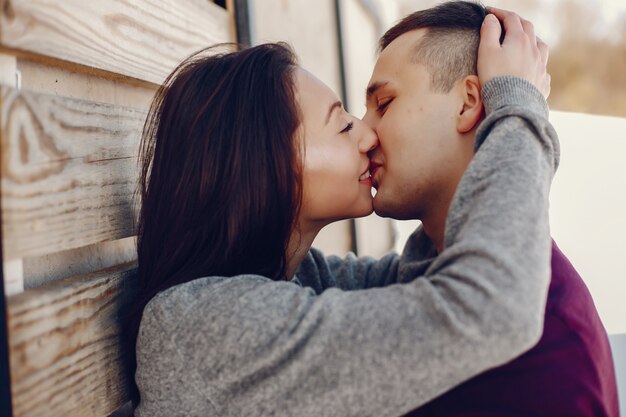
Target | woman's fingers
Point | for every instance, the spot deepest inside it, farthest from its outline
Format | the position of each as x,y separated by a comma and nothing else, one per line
490,33
529,29
511,21
521,53
544,51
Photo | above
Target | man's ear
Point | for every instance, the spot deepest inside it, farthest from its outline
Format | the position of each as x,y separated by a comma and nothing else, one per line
471,110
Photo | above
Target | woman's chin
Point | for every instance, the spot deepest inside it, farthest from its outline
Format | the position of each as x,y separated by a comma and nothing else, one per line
363,210
354,213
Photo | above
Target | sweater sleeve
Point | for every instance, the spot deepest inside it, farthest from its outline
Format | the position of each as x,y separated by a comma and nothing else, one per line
261,347
348,273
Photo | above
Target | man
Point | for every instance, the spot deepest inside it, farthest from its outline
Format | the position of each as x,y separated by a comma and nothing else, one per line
385,337
424,101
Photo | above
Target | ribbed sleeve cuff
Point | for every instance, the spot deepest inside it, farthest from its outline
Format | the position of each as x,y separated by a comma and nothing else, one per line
509,90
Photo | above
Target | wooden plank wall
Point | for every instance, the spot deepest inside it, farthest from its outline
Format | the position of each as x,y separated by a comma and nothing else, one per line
69,169
140,39
64,346
69,133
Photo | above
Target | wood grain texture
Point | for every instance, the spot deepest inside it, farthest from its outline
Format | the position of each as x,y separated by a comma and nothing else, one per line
65,353
68,172
8,68
46,79
13,274
143,39
46,269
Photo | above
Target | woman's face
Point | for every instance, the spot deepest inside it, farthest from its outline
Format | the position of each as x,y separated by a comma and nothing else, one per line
335,177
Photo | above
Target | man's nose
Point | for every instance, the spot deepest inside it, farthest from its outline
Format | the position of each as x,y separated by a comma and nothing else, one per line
369,120
369,139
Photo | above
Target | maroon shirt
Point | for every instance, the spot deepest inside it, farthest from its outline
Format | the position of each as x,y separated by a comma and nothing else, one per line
569,373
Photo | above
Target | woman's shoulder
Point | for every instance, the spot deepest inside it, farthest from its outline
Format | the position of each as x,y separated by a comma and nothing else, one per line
194,291
215,289
202,320
216,300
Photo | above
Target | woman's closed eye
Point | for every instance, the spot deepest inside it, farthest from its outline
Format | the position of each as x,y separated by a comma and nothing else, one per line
347,128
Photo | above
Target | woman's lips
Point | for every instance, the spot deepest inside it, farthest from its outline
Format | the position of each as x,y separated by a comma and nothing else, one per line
365,177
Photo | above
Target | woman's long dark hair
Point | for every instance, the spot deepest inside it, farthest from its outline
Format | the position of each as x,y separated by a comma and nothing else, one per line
220,173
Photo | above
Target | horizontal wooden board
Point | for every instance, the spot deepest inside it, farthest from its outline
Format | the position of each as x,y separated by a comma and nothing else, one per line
143,39
69,171
65,353
47,79
44,270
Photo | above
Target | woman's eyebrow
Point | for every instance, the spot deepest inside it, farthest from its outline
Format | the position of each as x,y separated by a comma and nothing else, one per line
335,105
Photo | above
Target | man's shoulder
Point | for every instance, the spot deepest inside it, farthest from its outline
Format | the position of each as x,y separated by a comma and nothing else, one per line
570,301
566,285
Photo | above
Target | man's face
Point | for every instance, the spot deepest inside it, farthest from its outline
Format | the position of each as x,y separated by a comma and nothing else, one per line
421,156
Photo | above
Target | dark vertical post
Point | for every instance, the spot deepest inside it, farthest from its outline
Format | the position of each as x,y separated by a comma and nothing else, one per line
344,97
242,23
5,375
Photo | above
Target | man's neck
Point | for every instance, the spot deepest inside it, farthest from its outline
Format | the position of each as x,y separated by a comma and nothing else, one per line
434,223
434,228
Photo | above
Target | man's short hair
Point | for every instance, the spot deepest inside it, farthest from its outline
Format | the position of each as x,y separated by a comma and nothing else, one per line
449,49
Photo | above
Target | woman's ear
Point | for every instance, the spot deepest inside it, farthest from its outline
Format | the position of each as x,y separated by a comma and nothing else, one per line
472,105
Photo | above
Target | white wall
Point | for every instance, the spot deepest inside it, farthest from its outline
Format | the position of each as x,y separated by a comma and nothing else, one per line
588,207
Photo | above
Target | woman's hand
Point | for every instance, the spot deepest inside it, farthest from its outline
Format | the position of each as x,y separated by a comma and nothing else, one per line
521,53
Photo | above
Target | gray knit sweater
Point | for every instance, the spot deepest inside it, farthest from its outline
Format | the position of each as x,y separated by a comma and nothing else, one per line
366,337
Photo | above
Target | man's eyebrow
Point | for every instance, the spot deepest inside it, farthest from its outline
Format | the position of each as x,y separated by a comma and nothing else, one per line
335,105
371,89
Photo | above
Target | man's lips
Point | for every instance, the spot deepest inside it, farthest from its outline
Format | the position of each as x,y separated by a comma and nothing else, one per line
374,165
373,169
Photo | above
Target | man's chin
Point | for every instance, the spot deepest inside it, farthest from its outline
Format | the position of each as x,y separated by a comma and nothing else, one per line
380,208
385,208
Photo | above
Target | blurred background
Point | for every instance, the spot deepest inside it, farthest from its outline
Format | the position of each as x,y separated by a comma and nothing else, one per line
336,40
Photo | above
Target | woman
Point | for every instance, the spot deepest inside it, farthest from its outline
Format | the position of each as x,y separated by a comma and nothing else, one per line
245,158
